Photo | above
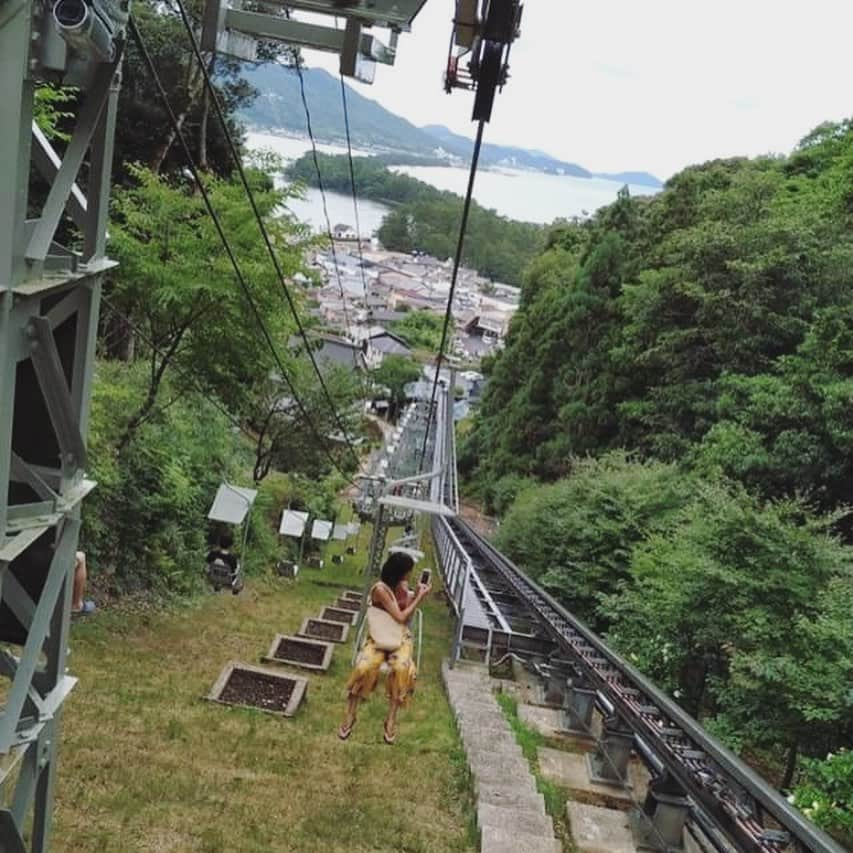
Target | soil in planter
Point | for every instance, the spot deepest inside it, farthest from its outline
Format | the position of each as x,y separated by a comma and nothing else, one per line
300,652
334,614
322,631
348,604
255,688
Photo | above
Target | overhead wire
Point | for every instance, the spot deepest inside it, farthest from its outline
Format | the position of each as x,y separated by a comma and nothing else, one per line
352,186
176,127
238,163
457,261
321,187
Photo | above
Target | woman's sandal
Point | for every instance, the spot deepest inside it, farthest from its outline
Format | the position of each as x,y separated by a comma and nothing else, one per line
389,737
345,730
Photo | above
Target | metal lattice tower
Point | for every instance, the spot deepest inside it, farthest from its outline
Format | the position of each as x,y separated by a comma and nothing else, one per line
49,299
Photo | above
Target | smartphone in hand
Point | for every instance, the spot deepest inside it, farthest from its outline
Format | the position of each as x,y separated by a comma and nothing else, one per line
426,575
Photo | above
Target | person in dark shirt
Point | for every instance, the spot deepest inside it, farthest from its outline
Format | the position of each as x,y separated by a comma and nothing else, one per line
224,554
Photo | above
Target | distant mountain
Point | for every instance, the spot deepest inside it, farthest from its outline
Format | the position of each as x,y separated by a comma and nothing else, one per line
279,107
503,155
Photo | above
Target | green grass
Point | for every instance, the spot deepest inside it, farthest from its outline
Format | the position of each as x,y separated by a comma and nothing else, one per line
554,795
146,765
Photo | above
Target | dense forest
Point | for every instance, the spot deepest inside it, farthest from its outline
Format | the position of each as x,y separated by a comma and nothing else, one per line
426,219
668,436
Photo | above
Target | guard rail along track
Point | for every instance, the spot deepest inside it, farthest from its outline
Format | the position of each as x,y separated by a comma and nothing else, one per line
731,804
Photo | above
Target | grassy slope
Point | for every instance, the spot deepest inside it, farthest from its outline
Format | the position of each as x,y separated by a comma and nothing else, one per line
145,765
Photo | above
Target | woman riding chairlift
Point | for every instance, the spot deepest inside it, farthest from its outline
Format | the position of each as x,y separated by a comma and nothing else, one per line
388,640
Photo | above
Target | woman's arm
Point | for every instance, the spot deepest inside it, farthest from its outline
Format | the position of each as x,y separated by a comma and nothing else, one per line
389,602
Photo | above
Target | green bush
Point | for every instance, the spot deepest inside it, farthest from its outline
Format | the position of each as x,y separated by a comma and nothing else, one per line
576,536
502,494
825,794
145,524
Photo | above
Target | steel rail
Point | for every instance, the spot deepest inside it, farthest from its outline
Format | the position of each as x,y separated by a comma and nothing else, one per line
735,797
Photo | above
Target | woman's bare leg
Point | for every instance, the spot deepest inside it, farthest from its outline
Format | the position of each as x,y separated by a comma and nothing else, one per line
79,585
351,712
391,720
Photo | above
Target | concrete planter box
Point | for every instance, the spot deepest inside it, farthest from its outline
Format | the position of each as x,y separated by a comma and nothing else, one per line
301,652
336,614
352,595
348,604
237,678
324,629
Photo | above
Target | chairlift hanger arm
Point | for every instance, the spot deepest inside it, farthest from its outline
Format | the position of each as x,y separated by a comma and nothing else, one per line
234,31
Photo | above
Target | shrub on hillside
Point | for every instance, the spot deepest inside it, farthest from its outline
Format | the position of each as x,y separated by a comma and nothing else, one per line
146,522
825,794
576,536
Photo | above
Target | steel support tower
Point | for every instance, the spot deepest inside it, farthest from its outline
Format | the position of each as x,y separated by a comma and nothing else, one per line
49,295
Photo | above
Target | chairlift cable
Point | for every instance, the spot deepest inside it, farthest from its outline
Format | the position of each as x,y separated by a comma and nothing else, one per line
355,207
352,184
238,162
176,127
321,187
457,260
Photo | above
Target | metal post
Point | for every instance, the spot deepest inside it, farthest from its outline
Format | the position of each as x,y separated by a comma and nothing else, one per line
608,765
660,824
578,704
377,542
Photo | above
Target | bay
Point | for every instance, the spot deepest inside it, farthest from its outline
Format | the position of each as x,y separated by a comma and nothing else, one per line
524,195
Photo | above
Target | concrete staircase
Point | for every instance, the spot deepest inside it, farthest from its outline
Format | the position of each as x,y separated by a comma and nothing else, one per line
510,811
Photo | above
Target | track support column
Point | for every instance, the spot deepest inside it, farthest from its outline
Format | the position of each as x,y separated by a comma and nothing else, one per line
660,824
608,765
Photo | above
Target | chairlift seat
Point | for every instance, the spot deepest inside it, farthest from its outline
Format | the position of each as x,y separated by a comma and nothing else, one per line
221,576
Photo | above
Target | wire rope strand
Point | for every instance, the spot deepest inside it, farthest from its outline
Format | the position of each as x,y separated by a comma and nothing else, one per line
321,187
238,163
152,70
352,184
457,260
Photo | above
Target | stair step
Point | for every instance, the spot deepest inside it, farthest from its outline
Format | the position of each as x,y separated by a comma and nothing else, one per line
499,840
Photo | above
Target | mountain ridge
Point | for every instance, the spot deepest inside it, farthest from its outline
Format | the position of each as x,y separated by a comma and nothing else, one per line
278,106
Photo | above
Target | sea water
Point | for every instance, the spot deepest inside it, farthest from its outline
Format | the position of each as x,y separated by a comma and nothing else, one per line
525,195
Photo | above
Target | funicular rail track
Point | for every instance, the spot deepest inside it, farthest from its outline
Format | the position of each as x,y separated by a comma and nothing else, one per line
730,806
727,797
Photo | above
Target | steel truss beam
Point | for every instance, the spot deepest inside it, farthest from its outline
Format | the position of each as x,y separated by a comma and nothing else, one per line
49,305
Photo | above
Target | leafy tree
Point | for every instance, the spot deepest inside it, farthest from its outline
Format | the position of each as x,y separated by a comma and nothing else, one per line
144,135
395,373
576,536
48,112
284,438
709,604
796,695
175,281
421,329
711,315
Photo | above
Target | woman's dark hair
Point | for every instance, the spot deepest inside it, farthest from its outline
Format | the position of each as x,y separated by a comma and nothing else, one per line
396,567
226,540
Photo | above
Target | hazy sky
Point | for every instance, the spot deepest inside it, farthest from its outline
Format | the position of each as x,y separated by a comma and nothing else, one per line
655,85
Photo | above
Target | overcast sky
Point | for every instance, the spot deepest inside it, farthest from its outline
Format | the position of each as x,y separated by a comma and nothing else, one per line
656,85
